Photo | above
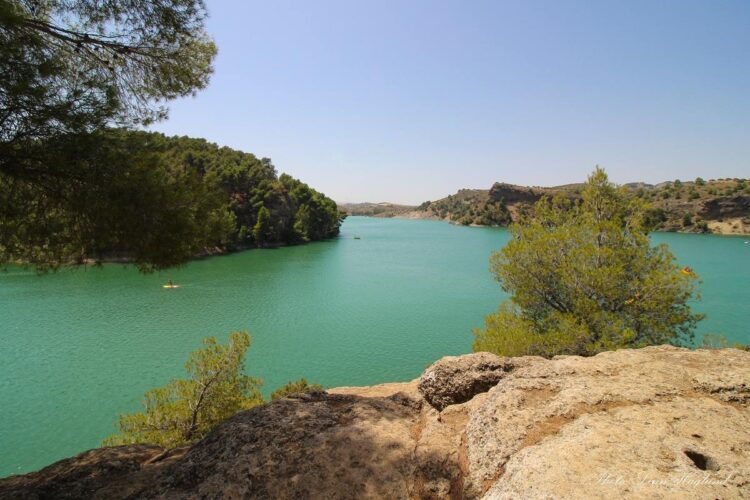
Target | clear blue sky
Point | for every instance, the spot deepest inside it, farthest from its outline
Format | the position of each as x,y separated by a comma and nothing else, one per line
410,100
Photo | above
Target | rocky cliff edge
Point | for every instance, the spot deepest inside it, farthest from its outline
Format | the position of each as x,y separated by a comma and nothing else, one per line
656,422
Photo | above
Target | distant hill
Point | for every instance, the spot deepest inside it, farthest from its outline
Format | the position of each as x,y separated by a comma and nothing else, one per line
719,206
497,206
375,209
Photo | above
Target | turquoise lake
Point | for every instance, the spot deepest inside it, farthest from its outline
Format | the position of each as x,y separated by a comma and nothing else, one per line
78,347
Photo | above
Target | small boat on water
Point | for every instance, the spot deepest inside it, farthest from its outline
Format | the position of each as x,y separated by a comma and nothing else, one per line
170,285
357,238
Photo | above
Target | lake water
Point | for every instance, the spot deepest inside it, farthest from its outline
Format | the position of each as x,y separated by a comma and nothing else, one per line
78,347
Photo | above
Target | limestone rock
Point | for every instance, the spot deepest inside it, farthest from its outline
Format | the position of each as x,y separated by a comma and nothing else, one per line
311,445
659,422
457,379
614,425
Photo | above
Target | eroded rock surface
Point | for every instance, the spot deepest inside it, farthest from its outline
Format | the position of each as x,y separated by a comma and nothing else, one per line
457,379
658,422
116,472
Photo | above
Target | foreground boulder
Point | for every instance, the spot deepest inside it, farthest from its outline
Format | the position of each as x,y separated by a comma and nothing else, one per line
656,422
457,379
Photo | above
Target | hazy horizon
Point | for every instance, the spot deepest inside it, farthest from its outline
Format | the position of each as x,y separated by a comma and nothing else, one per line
406,102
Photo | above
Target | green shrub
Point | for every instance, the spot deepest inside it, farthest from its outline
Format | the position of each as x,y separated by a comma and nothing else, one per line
185,410
583,278
295,387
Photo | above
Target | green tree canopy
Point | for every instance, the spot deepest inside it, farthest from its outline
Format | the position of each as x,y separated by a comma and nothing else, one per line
155,200
75,65
71,68
185,410
295,387
262,228
118,195
583,278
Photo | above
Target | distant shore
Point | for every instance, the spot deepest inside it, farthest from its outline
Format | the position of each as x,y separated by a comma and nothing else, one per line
714,206
728,227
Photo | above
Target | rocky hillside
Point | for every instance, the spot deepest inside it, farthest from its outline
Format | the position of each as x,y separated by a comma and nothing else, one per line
375,209
656,422
719,206
497,206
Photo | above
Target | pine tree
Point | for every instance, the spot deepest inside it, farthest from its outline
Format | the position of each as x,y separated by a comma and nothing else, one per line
262,228
185,410
584,278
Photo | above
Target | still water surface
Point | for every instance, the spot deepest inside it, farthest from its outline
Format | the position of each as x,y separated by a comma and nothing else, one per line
79,347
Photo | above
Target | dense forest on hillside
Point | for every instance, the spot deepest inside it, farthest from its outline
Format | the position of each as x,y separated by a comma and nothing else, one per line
266,208
155,201
71,187
262,208
78,183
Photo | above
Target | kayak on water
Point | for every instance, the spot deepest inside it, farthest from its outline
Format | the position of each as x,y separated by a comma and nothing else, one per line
170,286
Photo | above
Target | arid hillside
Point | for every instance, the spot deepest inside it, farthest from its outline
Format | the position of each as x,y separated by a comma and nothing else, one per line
719,206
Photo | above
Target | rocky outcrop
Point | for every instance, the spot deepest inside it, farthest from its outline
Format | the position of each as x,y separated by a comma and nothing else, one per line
723,207
656,422
509,193
117,472
457,379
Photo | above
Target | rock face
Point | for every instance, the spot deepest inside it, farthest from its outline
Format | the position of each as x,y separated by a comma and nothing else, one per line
656,422
457,379
730,206
509,193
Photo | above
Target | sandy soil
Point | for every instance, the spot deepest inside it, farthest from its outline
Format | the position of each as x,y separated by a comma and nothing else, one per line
729,226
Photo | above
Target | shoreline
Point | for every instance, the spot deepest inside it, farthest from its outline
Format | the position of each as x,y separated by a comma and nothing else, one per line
718,228
208,253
